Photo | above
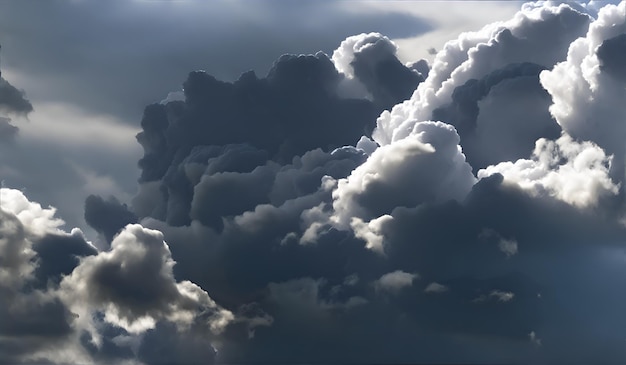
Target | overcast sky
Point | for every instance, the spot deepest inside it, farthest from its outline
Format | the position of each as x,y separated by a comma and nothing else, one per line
398,181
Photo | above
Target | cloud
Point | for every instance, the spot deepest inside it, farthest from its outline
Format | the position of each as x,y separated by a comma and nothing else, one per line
372,69
107,217
293,110
500,116
587,88
539,35
428,166
273,211
435,287
133,284
287,233
13,100
395,281
577,173
70,302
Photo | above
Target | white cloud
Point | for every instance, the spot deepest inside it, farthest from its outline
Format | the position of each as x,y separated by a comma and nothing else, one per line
587,102
435,287
427,166
474,54
395,281
574,172
134,285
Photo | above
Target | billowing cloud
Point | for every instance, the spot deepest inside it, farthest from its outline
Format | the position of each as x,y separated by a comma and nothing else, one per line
68,302
538,34
291,219
587,89
134,286
428,166
370,64
577,173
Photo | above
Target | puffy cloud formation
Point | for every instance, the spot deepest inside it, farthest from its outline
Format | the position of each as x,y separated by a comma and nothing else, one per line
369,62
63,301
395,281
577,173
588,88
427,166
133,284
478,221
295,109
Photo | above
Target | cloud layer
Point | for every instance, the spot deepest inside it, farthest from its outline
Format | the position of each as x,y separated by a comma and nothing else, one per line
350,208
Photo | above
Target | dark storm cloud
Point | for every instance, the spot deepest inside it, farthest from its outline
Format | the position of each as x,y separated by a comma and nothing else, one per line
489,295
64,302
234,128
58,255
539,34
293,110
219,36
13,100
257,210
107,217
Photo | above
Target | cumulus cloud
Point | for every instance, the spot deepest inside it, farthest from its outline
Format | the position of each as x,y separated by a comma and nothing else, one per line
7,130
291,218
58,290
540,35
500,296
395,281
426,167
587,89
372,69
287,233
577,173
133,284
33,315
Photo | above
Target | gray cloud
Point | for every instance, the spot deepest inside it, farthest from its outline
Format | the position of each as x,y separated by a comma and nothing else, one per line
107,217
276,226
13,100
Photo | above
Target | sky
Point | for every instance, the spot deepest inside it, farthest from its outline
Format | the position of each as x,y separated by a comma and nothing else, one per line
321,182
